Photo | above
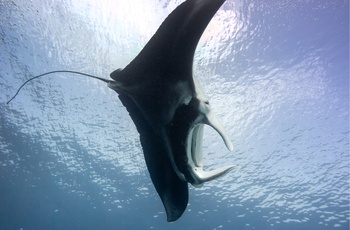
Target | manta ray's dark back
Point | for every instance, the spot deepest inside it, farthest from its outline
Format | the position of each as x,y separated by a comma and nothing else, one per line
153,87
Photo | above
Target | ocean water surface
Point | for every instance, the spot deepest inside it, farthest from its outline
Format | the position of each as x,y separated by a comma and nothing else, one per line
275,72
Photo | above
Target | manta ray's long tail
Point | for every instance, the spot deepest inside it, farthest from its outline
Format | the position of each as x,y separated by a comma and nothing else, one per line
58,71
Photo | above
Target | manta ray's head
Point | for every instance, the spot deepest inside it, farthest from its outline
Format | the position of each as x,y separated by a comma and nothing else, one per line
186,137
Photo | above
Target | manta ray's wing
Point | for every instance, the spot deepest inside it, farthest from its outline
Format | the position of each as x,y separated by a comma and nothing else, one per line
169,54
172,190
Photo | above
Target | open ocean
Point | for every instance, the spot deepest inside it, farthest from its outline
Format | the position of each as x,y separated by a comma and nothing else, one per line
275,72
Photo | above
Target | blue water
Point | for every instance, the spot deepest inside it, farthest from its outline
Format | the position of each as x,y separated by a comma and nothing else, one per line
275,72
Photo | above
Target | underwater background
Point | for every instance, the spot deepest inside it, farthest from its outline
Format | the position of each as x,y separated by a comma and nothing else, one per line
275,72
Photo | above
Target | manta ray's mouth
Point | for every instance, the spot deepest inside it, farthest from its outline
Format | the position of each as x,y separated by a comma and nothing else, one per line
195,154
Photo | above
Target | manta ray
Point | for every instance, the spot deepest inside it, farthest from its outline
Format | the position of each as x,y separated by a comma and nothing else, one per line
168,106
